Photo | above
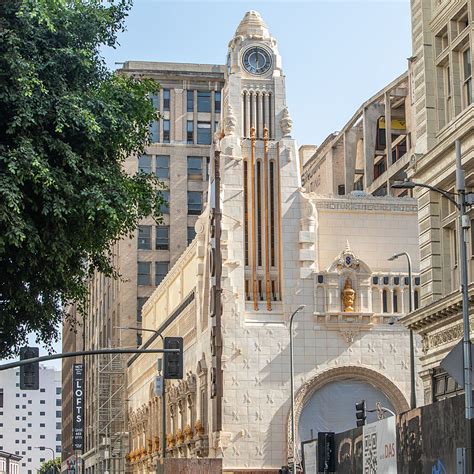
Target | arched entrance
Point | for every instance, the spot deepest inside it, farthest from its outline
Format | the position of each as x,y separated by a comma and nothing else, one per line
325,387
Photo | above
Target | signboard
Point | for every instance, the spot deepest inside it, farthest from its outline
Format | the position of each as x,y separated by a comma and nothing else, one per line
159,385
310,456
78,407
380,447
453,363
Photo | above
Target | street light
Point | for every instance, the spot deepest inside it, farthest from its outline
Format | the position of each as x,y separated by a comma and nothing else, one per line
412,345
464,200
292,370
163,395
53,454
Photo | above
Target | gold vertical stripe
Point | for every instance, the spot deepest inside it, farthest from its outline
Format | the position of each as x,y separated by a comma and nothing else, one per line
278,234
254,237
267,225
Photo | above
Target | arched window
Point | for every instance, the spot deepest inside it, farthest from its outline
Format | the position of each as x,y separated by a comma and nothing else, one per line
416,298
395,301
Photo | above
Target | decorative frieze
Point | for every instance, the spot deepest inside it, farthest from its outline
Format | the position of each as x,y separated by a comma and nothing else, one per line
431,341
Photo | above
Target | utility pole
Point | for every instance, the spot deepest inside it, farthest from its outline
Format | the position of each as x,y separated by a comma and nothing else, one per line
464,224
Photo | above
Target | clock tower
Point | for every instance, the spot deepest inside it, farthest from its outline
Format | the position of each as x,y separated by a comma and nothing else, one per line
260,169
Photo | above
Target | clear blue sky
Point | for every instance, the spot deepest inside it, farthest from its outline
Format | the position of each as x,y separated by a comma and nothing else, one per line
335,54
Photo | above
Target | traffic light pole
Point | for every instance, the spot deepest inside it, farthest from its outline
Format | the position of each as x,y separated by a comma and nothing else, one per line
64,355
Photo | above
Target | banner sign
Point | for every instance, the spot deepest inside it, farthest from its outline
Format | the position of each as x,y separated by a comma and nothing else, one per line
380,447
78,407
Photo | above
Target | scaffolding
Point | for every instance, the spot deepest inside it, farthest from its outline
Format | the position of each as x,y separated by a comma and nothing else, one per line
111,432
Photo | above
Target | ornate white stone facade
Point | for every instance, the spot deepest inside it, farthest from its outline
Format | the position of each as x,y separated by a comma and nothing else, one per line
281,248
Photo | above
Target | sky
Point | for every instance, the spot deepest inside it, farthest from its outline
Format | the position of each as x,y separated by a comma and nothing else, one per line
335,54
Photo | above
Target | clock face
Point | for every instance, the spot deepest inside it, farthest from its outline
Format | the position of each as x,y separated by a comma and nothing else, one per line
256,60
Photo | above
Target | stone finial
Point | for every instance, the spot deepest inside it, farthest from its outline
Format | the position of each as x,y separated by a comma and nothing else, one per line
286,123
252,24
230,121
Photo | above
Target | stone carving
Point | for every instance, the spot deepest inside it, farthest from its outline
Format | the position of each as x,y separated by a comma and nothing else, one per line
156,444
348,336
348,259
348,296
286,123
179,437
199,428
430,341
188,433
230,121
170,440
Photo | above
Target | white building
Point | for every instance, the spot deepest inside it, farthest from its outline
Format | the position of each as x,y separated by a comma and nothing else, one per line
281,248
30,420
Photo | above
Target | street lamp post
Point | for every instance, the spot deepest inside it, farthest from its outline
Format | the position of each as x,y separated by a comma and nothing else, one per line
412,345
163,395
292,378
464,200
52,453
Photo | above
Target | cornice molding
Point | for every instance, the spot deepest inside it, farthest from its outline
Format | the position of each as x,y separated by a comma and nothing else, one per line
365,203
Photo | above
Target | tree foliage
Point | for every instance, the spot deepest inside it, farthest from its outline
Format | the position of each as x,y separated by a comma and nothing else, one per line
66,126
50,467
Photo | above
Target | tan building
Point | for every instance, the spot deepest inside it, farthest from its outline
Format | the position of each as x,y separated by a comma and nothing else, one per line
189,102
370,152
441,82
281,248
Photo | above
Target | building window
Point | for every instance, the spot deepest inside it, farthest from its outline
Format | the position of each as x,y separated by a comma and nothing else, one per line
143,274
155,131
341,190
384,301
42,390
166,99
161,269
58,414
58,390
42,413
144,164
139,339
166,131
467,77
190,132
194,203
155,100
162,237
58,402
204,133
190,101
162,166
165,207
191,234
195,168
140,302
42,425
1,397
217,102
204,101
444,386
395,301
416,298
144,237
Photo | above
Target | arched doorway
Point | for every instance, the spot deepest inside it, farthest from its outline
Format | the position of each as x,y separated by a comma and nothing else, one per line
366,383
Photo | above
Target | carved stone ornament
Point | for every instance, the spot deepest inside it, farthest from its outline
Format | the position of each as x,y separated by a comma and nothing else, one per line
170,440
179,437
286,123
188,433
347,259
199,428
451,334
348,297
348,336
230,121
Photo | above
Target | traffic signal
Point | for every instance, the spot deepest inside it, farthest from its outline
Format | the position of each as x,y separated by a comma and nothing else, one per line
326,452
173,360
360,413
29,373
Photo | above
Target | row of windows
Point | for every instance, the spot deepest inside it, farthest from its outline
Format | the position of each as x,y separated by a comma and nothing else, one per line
202,137
162,237
194,203
376,280
144,272
160,165
204,101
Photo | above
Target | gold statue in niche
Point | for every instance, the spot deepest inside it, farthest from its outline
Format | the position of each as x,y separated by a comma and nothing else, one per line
348,297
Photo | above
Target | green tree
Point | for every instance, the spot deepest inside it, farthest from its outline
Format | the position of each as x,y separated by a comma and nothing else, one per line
66,126
50,467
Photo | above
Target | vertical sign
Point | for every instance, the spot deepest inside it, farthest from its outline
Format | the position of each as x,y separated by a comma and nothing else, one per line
380,448
78,407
